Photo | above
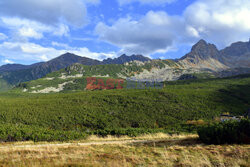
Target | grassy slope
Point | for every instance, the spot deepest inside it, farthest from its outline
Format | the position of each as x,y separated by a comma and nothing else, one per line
114,70
111,70
182,152
166,108
78,83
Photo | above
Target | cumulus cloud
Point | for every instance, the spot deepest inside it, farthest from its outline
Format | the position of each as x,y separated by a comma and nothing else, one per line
221,21
153,33
32,18
152,2
25,29
29,32
46,11
218,21
19,51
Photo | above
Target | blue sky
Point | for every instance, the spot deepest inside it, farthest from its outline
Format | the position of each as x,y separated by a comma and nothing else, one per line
33,30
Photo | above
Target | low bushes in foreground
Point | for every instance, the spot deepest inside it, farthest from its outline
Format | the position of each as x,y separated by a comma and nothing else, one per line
131,132
229,132
9,133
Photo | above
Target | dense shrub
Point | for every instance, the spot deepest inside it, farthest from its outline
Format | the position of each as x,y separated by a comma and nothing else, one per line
10,133
122,112
228,132
132,132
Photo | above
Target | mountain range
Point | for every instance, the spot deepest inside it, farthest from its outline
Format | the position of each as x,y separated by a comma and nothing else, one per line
17,73
204,58
205,55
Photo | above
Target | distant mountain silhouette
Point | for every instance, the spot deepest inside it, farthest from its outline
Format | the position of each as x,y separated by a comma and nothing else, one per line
14,67
124,59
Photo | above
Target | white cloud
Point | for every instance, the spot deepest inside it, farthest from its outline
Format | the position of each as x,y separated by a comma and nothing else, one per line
3,36
24,28
192,31
20,51
219,21
152,2
30,33
49,12
153,33
62,30
32,18
93,55
6,61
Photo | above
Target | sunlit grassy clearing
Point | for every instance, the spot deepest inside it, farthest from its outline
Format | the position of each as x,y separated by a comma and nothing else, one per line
183,152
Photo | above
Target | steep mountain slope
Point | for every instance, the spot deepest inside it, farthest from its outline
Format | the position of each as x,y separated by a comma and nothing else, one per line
237,55
203,55
60,62
202,61
35,71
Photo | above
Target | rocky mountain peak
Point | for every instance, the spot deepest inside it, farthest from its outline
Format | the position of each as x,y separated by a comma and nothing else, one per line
203,55
205,49
200,43
202,50
66,56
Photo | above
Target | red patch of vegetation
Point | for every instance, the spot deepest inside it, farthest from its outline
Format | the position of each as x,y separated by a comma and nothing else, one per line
94,83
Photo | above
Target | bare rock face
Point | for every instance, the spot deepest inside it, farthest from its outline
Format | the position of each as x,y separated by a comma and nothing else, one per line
203,50
164,74
203,56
